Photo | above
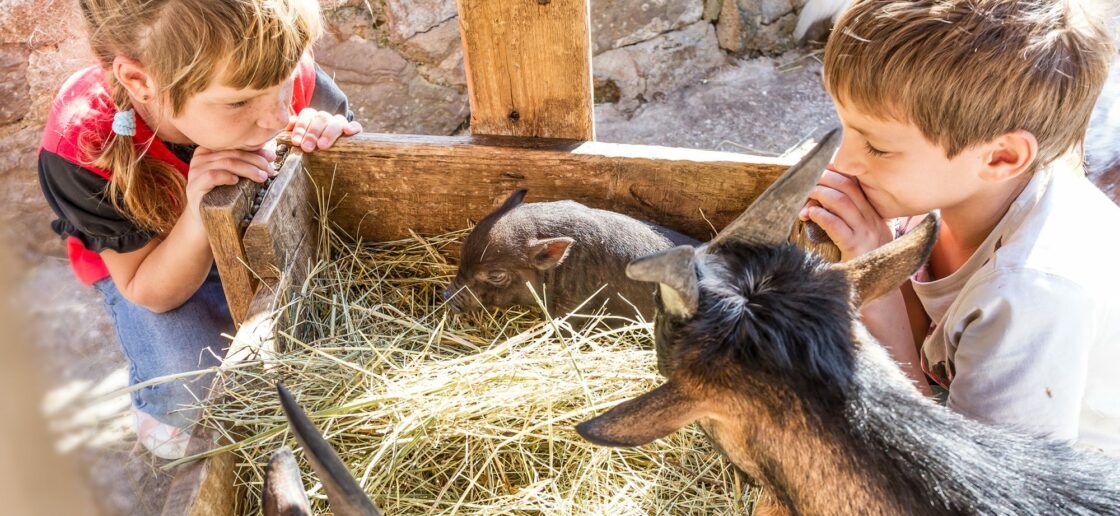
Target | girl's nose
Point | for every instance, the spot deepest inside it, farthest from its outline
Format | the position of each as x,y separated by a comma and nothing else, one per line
276,119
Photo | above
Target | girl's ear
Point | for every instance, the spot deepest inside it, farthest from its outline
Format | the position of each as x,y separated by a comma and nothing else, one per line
134,77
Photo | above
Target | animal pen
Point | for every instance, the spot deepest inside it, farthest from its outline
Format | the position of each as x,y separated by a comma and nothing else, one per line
528,66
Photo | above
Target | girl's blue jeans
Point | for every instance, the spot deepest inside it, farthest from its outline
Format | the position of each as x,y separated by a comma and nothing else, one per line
187,338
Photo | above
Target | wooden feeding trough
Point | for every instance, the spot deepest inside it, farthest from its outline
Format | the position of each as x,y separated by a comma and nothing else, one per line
528,70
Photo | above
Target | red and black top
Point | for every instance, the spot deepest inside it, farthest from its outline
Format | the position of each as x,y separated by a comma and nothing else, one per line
81,119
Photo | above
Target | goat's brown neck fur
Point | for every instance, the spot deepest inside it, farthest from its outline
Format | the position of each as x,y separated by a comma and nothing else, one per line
808,465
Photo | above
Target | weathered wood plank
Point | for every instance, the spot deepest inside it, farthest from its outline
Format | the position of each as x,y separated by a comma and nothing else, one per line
282,236
207,487
222,211
528,66
382,185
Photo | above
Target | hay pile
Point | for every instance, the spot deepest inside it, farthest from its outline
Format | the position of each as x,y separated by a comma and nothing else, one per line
436,413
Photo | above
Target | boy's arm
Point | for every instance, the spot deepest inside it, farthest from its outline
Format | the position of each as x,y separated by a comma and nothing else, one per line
887,320
1023,339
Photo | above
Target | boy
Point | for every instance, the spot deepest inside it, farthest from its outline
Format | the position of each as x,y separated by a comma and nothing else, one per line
978,108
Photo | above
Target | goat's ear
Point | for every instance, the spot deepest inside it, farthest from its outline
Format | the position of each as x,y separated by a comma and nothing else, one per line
345,496
283,489
641,420
674,270
884,269
547,253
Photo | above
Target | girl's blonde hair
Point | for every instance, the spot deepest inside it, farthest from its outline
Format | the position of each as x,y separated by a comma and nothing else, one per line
184,45
967,71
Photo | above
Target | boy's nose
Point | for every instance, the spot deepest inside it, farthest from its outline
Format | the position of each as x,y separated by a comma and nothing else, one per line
846,160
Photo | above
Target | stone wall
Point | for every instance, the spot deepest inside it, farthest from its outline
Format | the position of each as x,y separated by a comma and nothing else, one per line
400,61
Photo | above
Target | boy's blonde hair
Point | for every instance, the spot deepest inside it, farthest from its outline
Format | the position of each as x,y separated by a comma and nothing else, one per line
184,45
967,71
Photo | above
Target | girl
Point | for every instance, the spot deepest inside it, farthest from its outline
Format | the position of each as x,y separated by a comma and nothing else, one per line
187,95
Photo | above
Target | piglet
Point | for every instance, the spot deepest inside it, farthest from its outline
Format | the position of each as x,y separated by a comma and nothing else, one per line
565,250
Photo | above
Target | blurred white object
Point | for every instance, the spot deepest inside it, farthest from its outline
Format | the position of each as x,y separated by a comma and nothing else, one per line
817,10
161,439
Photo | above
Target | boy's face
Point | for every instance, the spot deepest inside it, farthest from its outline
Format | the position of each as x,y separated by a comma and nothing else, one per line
901,172
221,117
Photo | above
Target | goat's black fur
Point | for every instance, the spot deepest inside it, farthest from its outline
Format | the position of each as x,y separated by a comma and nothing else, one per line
775,316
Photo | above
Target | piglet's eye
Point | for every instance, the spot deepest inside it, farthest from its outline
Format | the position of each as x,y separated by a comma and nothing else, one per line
497,277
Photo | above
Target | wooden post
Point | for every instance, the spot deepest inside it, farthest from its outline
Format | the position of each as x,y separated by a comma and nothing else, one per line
206,487
283,237
528,65
222,211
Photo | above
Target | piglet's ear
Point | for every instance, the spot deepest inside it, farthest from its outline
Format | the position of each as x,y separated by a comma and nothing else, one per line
547,253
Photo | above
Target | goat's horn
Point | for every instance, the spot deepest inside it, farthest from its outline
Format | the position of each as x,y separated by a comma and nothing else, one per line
769,218
675,271
343,492
283,492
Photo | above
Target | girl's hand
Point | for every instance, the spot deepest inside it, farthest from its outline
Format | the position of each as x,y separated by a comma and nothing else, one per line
314,129
210,168
838,205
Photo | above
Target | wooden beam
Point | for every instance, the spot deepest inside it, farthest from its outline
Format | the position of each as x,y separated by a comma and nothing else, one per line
222,211
283,235
207,486
528,66
382,185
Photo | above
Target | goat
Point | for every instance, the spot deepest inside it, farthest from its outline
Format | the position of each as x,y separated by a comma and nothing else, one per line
819,10
761,344
283,490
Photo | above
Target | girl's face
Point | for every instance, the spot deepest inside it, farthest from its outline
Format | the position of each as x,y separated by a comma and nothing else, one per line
221,117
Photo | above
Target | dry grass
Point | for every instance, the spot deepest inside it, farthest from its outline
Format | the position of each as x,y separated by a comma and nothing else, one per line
436,413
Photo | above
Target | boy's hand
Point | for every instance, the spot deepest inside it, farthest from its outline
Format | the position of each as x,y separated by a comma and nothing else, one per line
313,129
838,205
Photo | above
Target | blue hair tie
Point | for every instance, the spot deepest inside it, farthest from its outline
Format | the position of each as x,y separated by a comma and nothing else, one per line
124,123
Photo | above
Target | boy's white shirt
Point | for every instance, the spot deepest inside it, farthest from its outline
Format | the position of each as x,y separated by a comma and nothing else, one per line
1027,332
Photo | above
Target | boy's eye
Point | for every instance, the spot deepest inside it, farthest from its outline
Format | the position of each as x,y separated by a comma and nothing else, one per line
238,104
873,151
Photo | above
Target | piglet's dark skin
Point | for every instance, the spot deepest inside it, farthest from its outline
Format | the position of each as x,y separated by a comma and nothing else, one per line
565,250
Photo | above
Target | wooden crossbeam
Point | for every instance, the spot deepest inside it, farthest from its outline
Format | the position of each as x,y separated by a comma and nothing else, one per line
384,185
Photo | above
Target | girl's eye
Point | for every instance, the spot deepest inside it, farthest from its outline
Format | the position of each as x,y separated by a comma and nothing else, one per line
873,151
239,104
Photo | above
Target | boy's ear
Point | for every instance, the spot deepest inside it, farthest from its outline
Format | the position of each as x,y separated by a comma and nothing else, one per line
1009,155
134,77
